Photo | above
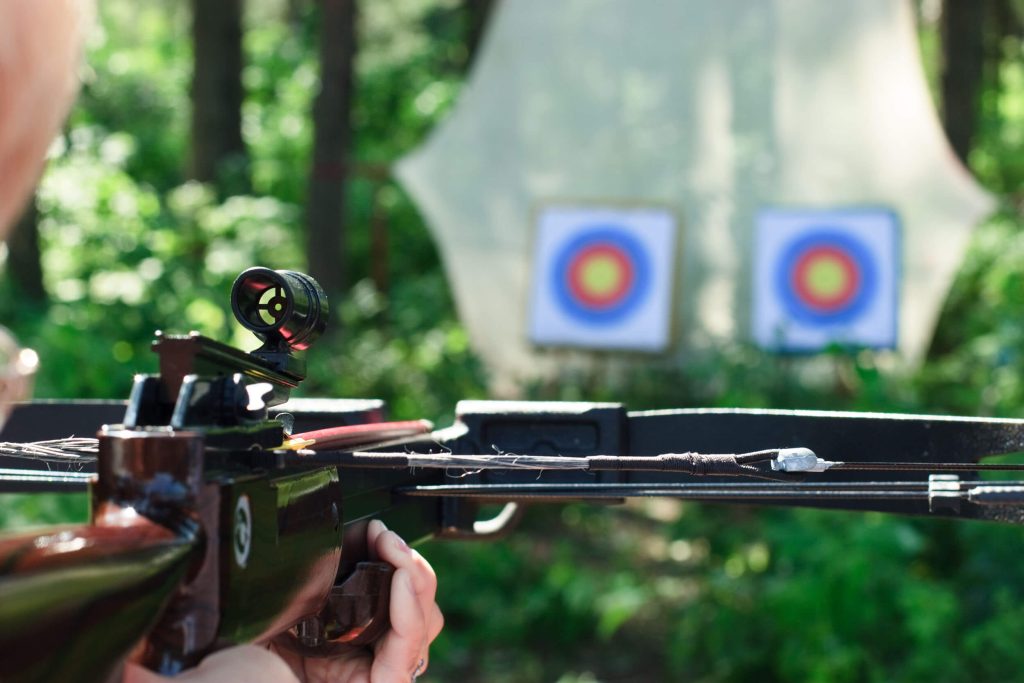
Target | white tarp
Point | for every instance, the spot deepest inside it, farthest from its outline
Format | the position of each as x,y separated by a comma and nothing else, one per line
715,110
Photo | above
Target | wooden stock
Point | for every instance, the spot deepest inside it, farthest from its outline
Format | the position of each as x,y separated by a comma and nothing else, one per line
86,595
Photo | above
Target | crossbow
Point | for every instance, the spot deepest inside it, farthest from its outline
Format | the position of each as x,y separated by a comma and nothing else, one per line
223,511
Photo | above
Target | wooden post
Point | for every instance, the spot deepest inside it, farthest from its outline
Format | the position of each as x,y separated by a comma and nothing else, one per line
217,93
332,139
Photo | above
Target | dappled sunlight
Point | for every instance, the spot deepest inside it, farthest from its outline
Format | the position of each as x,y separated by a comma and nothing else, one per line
713,112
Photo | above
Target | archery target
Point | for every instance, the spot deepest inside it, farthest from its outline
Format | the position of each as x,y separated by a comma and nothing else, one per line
602,278
826,277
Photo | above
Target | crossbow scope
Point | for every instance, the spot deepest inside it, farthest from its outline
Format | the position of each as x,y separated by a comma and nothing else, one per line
286,309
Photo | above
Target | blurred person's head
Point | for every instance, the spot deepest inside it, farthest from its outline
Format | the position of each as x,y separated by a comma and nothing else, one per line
40,44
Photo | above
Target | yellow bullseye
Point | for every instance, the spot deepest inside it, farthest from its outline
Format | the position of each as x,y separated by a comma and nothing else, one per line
601,275
826,276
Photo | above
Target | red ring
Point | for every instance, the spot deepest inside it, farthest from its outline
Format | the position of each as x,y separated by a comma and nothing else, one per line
815,300
575,275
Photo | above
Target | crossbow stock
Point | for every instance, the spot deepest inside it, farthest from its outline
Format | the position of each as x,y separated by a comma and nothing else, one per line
223,512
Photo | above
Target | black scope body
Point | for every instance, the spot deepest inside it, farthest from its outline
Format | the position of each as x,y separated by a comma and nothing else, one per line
280,306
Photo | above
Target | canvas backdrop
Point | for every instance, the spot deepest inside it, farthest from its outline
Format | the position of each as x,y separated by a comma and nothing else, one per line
714,110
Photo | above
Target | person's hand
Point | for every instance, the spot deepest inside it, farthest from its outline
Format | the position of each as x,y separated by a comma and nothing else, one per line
402,653
398,657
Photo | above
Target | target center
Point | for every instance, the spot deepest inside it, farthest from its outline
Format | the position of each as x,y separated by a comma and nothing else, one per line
601,275
827,277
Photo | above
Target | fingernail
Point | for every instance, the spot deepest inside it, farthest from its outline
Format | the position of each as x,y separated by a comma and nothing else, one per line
379,525
401,544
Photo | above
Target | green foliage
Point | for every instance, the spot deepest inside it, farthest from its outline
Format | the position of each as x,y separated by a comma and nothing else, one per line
645,591
131,247
20,510
137,71
280,81
998,155
977,356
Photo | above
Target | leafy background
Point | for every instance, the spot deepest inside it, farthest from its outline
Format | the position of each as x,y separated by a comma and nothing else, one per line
646,591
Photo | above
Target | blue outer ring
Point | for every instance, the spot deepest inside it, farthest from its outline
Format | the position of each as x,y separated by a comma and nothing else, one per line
862,257
636,254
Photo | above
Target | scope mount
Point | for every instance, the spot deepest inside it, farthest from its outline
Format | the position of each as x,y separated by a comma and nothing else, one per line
222,391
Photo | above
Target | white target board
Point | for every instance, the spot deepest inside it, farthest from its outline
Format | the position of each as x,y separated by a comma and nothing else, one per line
824,277
603,278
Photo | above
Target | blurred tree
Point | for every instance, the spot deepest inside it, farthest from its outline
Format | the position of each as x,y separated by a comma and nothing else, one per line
24,257
963,65
294,10
217,148
478,12
332,142
1009,18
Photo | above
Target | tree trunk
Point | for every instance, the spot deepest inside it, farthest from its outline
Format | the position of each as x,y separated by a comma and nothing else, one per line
478,12
332,142
24,259
218,151
1009,20
963,51
294,11
380,243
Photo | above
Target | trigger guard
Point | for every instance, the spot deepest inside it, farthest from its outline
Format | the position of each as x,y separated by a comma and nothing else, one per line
356,615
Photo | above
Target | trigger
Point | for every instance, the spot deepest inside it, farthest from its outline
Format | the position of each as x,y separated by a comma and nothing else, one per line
357,611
